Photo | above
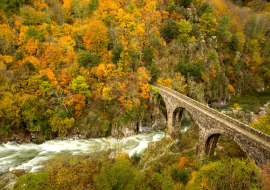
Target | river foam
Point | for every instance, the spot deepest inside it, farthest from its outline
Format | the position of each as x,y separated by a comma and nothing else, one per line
31,156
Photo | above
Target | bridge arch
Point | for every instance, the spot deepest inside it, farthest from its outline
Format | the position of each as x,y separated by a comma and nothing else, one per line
177,119
174,114
210,142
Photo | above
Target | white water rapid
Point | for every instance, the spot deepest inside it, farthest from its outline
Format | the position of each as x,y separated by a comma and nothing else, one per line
32,156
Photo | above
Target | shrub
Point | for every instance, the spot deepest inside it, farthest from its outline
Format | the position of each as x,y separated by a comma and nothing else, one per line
183,162
32,181
157,167
179,175
159,181
120,175
226,174
73,172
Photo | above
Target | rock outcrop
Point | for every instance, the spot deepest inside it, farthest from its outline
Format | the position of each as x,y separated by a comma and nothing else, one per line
153,120
246,116
7,181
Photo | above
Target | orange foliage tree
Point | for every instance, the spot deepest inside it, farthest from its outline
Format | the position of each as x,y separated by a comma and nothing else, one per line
96,38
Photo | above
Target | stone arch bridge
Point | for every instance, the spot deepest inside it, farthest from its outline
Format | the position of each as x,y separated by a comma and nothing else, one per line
212,124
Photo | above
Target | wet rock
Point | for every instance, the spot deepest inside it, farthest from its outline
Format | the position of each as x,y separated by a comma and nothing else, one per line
112,155
18,137
218,102
128,132
260,87
74,136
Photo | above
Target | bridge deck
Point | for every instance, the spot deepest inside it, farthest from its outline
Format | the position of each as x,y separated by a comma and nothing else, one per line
228,123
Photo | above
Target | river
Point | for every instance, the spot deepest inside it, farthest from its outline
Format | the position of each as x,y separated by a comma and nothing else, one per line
32,156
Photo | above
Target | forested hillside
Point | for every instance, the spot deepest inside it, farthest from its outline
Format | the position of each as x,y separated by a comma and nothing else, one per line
78,64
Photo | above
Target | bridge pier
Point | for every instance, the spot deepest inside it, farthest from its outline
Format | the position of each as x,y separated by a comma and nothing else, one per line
174,122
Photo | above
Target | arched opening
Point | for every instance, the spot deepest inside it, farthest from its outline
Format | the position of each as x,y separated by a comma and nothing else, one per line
211,144
158,112
162,107
181,120
220,146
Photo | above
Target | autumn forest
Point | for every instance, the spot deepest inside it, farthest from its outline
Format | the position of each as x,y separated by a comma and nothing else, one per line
76,65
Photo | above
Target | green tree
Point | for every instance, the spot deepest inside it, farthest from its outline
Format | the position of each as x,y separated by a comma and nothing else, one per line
170,30
116,52
184,30
134,56
92,6
11,5
160,181
33,32
87,59
148,54
212,55
180,175
185,3
234,43
153,71
80,86
223,27
201,8
60,123
196,69
207,23
131,7
30,16
45,88
181,67
195,31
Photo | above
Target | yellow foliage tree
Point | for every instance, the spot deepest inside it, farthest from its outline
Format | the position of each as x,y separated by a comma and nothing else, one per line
207,24
143,78
167,82
61,125
66,43
231,88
